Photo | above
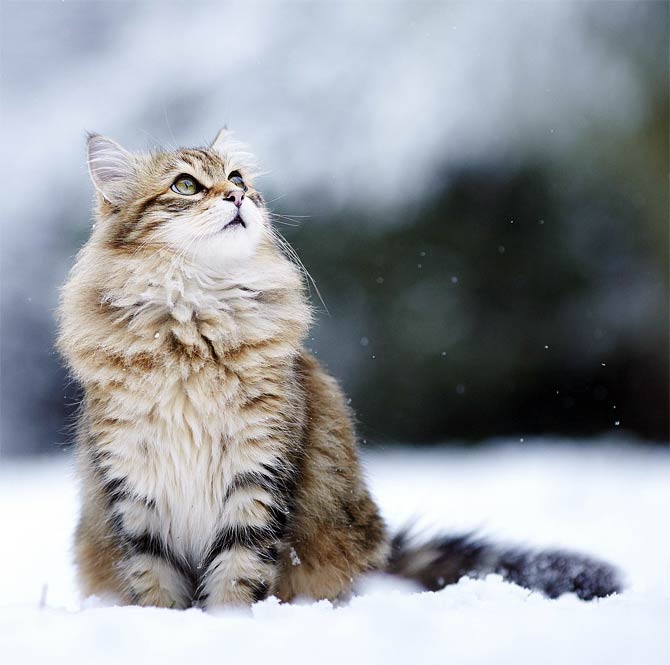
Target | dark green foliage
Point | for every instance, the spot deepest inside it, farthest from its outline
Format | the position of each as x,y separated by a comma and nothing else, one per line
491,308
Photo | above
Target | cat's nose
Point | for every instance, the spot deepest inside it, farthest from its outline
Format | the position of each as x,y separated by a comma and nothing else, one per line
235,196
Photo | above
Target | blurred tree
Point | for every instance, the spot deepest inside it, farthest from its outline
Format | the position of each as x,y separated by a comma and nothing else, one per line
500,305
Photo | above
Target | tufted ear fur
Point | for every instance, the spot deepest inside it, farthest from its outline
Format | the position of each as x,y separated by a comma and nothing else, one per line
112,168
235,154
222,141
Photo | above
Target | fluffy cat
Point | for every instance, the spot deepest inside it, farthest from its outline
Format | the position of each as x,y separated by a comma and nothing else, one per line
218,460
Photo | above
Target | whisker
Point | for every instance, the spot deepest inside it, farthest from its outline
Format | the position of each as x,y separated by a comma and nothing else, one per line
294,217
157,143
167,122
285,223
292,255
276,198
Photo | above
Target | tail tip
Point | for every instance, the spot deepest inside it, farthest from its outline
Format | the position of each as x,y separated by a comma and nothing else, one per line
557,572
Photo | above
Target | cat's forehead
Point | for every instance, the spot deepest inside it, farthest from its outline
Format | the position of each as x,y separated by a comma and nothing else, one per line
200,161
206,164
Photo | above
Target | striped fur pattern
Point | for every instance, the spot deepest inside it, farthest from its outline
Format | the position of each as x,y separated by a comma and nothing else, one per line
218,461
213,451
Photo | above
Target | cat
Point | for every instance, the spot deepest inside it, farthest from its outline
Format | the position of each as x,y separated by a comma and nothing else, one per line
218,460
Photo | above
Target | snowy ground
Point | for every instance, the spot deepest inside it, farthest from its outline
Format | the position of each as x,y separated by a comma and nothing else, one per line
610,499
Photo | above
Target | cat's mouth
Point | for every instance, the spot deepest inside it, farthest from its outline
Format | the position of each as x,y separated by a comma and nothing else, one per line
235,222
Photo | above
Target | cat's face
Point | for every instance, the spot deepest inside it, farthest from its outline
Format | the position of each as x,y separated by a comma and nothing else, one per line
199,204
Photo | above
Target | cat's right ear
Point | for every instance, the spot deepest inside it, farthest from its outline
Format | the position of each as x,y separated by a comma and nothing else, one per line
111,168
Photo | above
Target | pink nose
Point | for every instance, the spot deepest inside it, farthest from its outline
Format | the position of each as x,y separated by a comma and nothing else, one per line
236,196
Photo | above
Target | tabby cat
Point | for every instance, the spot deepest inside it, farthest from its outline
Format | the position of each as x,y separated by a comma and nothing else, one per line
218,460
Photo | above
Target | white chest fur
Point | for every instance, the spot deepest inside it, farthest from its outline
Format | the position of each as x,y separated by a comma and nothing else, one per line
182,454
180,432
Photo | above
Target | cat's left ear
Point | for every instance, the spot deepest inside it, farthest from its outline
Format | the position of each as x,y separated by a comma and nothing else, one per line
235,154
222,140
112,168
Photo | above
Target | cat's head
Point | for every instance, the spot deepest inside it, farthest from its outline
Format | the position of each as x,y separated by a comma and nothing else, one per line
199,204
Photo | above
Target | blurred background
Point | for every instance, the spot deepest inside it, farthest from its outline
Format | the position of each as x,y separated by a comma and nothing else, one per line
479,190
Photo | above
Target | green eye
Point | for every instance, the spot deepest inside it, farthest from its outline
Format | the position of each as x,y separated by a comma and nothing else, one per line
237,179
186,185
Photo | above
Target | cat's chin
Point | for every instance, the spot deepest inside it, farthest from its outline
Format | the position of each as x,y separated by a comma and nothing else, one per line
234,244
236,223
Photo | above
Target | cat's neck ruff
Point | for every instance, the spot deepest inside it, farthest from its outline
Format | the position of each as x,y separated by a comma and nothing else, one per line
181,288
158,305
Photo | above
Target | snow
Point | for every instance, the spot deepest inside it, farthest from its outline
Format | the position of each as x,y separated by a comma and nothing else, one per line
295,559
609,498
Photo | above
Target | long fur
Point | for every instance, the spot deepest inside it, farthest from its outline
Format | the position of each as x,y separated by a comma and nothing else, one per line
443,560
218,461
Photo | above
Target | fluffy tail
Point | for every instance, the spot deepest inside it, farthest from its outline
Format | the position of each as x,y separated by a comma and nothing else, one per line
444,560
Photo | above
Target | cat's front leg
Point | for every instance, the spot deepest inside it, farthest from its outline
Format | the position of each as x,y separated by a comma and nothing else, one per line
238,575
241,566
152,581
151,574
